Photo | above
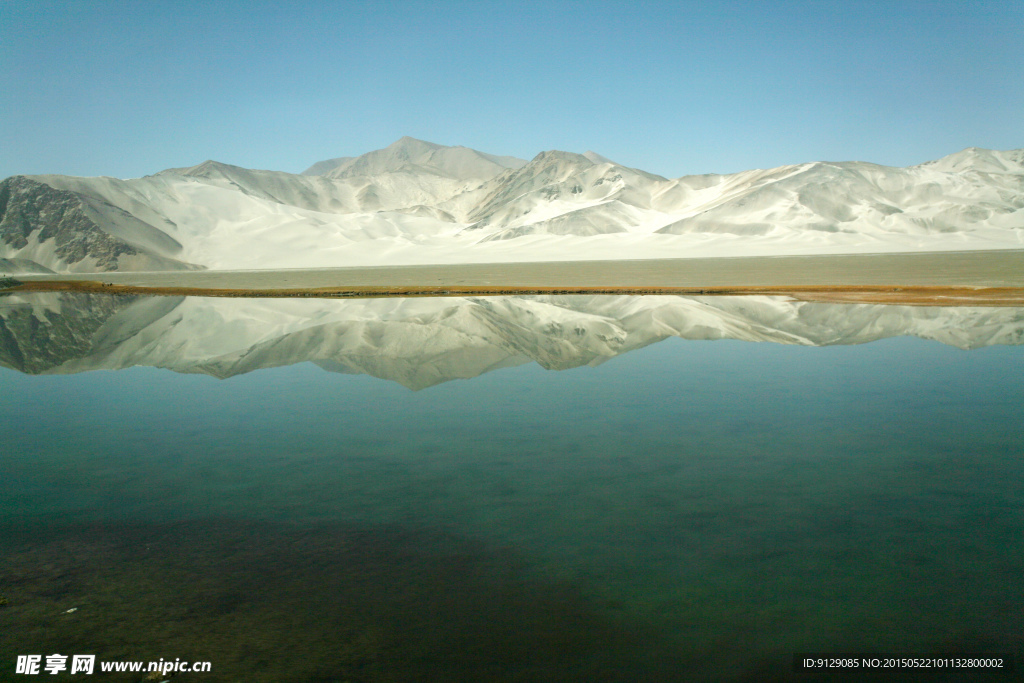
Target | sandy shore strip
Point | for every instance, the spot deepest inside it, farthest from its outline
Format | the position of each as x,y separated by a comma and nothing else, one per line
980,278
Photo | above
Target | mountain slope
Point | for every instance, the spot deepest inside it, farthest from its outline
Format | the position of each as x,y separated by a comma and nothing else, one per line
418,202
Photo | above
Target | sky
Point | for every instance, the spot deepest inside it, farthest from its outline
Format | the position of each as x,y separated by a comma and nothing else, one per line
126,89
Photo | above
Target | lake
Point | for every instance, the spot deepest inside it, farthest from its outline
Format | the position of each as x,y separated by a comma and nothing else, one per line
508,488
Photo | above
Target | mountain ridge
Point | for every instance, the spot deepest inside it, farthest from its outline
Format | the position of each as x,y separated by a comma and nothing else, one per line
420,202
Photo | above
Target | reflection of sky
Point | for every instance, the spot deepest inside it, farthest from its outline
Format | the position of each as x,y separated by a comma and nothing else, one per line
841,493
672,88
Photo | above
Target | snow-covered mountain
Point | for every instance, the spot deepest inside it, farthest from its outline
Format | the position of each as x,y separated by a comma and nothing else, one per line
417,202
420,342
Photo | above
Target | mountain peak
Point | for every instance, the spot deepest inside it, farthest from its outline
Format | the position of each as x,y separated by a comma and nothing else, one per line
555,156
409,142
408,147
410,155
202,170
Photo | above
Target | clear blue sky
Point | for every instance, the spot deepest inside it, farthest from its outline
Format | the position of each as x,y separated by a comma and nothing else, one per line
129,88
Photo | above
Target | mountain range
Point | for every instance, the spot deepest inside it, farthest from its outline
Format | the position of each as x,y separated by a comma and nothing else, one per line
418,202
420,342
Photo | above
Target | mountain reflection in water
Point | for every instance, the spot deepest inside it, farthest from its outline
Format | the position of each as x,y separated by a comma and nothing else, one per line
693,510
421,342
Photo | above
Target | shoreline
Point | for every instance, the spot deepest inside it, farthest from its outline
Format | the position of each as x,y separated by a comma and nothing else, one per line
974,278
929,295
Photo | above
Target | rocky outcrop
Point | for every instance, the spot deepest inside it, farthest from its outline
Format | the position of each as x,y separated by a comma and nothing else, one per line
31,210
47,226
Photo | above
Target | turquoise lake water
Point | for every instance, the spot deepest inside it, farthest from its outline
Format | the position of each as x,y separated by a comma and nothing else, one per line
691,510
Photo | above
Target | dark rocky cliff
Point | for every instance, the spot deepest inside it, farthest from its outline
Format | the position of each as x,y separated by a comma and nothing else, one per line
28,206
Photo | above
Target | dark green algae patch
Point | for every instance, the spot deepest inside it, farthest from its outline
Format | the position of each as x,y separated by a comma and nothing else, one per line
279,603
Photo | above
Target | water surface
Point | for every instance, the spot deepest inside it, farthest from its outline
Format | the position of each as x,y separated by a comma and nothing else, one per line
695,508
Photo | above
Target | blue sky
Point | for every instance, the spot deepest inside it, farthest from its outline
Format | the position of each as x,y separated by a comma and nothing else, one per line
126,89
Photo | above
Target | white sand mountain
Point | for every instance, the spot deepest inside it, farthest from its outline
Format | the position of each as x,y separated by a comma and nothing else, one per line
420,342
417,202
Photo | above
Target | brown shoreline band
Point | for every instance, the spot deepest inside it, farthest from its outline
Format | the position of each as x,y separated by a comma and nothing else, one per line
888,294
